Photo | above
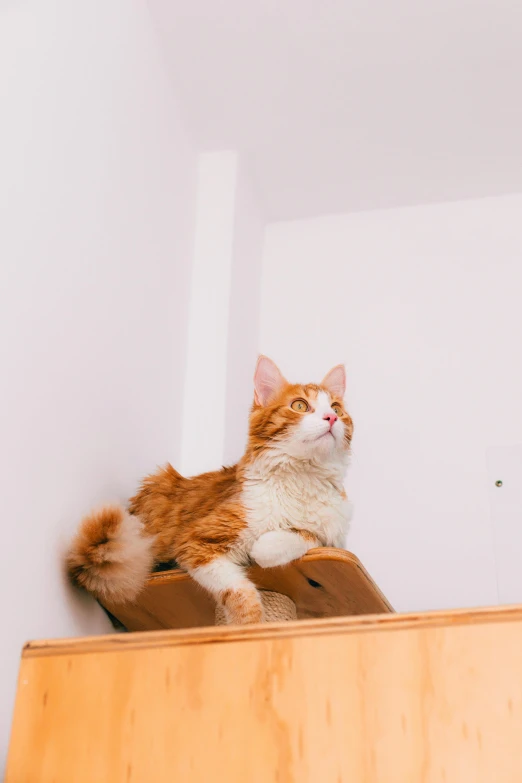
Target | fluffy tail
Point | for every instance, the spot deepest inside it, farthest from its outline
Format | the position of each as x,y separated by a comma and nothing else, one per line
110,555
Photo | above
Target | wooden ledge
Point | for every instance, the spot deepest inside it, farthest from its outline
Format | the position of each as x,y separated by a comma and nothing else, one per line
324,583
349,626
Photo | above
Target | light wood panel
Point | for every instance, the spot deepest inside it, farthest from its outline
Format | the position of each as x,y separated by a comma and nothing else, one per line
425,698
324,583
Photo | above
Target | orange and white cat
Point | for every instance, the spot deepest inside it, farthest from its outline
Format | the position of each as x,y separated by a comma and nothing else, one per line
284,497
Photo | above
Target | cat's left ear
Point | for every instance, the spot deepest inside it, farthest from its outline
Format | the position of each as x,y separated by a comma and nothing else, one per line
335,381
268,381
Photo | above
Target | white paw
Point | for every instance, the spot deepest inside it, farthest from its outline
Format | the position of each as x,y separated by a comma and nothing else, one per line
279,547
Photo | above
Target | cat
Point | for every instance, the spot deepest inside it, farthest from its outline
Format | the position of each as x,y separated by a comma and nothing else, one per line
284,497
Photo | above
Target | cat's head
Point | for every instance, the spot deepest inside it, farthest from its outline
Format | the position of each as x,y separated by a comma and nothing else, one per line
302,421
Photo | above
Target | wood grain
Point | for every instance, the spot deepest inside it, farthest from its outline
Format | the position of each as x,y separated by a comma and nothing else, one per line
219,634
381,700
324,583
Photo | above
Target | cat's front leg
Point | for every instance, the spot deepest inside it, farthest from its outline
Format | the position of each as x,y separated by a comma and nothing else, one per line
279,547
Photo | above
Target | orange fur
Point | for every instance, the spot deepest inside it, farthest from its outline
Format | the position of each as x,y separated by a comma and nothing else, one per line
307,536
242,606
99,558
193,520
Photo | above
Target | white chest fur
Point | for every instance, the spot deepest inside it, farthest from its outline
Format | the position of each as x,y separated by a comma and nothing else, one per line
296,494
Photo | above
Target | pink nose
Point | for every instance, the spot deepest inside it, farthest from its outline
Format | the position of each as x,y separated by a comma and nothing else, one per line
330,417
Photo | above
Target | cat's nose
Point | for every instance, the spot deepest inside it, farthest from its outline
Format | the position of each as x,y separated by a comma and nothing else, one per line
331,418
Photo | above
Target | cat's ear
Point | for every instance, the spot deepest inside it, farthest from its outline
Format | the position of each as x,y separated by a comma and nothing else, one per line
335,381
268,381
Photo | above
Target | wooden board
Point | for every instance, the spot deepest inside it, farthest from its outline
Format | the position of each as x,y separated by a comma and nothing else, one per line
381,699
324,583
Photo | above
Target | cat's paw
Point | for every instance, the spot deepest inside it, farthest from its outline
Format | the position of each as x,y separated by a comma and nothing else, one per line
279,547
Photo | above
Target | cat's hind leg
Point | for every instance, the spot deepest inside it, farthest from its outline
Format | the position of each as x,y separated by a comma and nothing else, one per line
228,583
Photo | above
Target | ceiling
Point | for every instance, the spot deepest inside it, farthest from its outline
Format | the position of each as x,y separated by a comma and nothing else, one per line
351,104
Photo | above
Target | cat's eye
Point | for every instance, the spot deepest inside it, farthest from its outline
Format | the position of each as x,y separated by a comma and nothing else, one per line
337,409
300,406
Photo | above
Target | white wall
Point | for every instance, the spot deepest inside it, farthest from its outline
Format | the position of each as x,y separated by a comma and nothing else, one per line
96,212
203,429
424,305
223,332
243,317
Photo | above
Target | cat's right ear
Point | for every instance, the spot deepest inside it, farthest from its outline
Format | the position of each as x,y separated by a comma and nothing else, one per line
268,381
